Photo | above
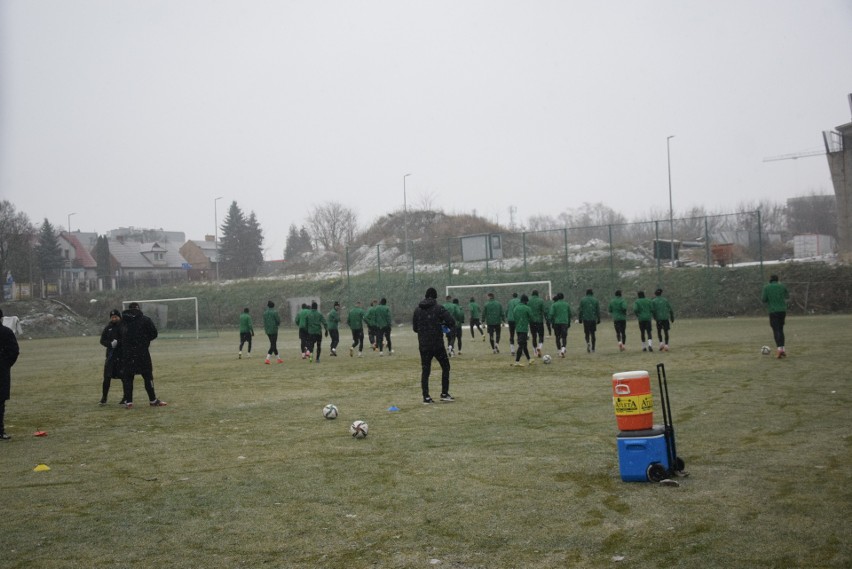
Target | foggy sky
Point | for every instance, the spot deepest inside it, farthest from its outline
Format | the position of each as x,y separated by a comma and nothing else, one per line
141,113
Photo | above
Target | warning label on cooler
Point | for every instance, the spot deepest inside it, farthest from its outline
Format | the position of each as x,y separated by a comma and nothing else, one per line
633,404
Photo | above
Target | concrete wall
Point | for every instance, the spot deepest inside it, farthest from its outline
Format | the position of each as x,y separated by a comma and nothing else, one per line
840,165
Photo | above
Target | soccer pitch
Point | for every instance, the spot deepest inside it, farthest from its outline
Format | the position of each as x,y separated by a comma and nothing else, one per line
242,470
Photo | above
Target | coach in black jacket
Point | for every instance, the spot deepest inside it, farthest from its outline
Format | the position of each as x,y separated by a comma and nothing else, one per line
428,322
135,336
9,352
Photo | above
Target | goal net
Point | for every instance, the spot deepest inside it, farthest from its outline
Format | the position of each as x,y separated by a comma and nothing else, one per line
183,316
502,291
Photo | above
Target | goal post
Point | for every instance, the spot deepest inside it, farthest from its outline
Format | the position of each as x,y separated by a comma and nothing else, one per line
517,286
160,301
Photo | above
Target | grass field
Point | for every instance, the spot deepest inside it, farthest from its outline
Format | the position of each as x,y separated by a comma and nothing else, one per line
241,469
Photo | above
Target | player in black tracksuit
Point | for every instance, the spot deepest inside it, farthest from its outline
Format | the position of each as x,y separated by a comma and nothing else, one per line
429,317
112,363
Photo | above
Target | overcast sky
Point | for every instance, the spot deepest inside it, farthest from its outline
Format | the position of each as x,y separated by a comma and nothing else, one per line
141,113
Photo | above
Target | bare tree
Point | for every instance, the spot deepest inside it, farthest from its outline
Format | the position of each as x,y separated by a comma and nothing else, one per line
333,225
426,202
16,236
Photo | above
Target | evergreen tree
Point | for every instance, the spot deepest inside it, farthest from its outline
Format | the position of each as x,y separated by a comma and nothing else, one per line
102,256
241,247
306,244
48,253
16,237
254,245
297,242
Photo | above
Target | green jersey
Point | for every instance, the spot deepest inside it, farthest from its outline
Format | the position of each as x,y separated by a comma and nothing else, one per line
475,311
775,297
314,322
458,315
510,308
300,318
523,315
590,309
333,319
271,321
560,312
381,316
662,309
618,308
356,319
493,313
245,324
536,305
643,310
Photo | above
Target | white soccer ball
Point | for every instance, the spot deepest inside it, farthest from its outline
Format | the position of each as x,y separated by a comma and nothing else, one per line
329,411
547,359
358,429
765,350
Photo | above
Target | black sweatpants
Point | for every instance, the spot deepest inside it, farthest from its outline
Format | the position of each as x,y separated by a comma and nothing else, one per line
127,382
426,355
358,339
776,320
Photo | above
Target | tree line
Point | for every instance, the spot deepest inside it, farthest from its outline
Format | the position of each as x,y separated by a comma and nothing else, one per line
31,253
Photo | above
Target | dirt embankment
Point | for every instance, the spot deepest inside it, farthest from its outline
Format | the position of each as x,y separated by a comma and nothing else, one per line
49,318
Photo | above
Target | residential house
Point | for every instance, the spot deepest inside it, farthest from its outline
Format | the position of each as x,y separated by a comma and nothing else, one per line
80,272
149,263
202,257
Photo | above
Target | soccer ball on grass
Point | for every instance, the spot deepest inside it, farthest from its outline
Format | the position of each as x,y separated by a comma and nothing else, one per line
358,429
765,350
547,359
329,411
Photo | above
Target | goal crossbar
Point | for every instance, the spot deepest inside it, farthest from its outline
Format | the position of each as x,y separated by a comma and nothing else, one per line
503,285
124,303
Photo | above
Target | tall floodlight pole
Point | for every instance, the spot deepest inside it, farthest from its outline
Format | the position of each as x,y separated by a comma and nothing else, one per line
216,234
69,221
671,209
405,212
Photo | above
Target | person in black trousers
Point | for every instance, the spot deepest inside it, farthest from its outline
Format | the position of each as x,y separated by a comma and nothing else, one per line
112,363
137,332
8,356
429,318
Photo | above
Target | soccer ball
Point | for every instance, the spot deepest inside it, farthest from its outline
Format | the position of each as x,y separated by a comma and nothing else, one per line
329,411
765,350
358,429
547,359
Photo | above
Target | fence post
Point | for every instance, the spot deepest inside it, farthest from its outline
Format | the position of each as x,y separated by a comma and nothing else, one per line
611,262
413,275
449,262
348,279
657,249
379,266
760,244
524,249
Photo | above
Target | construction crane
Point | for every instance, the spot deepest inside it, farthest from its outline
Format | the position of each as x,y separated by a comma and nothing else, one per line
795,156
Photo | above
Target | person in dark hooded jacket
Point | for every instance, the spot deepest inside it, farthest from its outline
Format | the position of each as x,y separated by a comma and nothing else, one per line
428,322
112,363
9,352
135,337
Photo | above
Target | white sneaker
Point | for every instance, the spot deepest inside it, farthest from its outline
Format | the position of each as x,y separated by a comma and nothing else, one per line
239,355
360,354
381,354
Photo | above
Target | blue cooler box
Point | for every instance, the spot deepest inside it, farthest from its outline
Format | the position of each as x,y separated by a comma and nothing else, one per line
637,450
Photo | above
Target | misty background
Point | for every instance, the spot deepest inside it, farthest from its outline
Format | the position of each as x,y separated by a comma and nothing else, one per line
141,114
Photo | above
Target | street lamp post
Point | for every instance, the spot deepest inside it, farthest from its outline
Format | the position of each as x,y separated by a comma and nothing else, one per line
216,234
671,209
405,212
69,221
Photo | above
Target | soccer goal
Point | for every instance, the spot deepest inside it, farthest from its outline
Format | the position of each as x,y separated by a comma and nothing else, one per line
520,287
158,310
